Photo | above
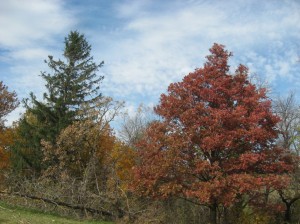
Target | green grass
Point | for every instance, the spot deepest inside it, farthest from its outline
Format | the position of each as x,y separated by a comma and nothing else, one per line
16,215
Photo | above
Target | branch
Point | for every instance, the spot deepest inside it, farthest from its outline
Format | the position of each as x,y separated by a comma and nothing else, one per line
60,203
286,201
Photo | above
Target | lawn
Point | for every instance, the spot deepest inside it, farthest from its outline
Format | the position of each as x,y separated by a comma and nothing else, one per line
10,215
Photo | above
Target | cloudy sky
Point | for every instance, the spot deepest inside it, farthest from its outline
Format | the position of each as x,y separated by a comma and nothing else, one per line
147,44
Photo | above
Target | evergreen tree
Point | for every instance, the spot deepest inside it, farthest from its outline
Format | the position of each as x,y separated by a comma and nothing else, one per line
71,83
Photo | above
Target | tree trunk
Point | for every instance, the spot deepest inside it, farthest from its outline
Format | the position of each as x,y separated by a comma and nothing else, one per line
226,218
213,214
287,214
288,205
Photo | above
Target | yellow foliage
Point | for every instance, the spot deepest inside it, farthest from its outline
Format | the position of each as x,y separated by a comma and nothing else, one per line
123,158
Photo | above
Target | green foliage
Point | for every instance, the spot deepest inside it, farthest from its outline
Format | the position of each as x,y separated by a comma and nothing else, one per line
72,83
26,153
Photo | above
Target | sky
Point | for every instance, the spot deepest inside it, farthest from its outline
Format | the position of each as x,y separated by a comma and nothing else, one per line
148,44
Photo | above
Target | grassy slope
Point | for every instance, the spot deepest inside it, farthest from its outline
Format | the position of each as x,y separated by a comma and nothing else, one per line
9,215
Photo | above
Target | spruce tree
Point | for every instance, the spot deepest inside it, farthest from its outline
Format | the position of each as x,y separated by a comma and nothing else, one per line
71,83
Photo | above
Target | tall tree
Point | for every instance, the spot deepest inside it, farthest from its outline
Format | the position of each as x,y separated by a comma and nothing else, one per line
216,140
72,83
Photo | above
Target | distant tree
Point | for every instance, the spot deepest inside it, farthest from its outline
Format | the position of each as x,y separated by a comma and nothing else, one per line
72,83
216,140
134,126
289,113
8,102
289,138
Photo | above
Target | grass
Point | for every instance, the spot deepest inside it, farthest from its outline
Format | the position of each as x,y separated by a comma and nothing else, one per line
16,215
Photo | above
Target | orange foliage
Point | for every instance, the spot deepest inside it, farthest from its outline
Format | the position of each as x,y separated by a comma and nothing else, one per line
123,157
6,140
216,140
78,146
84,148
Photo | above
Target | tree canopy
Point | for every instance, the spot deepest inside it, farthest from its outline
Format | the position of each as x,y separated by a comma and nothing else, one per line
216,140
8,102
71,83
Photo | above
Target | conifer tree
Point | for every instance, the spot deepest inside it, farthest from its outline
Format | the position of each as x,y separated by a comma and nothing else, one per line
71,83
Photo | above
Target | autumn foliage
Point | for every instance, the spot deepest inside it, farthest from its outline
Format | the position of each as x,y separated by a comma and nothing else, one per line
216,140
8,102
6,140
211,152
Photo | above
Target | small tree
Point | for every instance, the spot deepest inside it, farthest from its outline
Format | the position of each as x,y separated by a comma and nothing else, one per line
134,127
83,163
216,140
8,102
83,144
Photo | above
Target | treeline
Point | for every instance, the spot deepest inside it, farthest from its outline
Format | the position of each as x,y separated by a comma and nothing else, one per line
215,149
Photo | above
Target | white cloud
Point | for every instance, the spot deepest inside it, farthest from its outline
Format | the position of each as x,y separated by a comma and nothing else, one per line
164,44
153,43
132,8
28,54
29,31
24,22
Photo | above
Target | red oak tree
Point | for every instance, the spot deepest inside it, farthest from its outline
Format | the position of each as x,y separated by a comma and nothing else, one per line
215,141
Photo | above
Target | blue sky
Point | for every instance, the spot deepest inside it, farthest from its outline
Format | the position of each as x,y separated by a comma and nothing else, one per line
147,44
